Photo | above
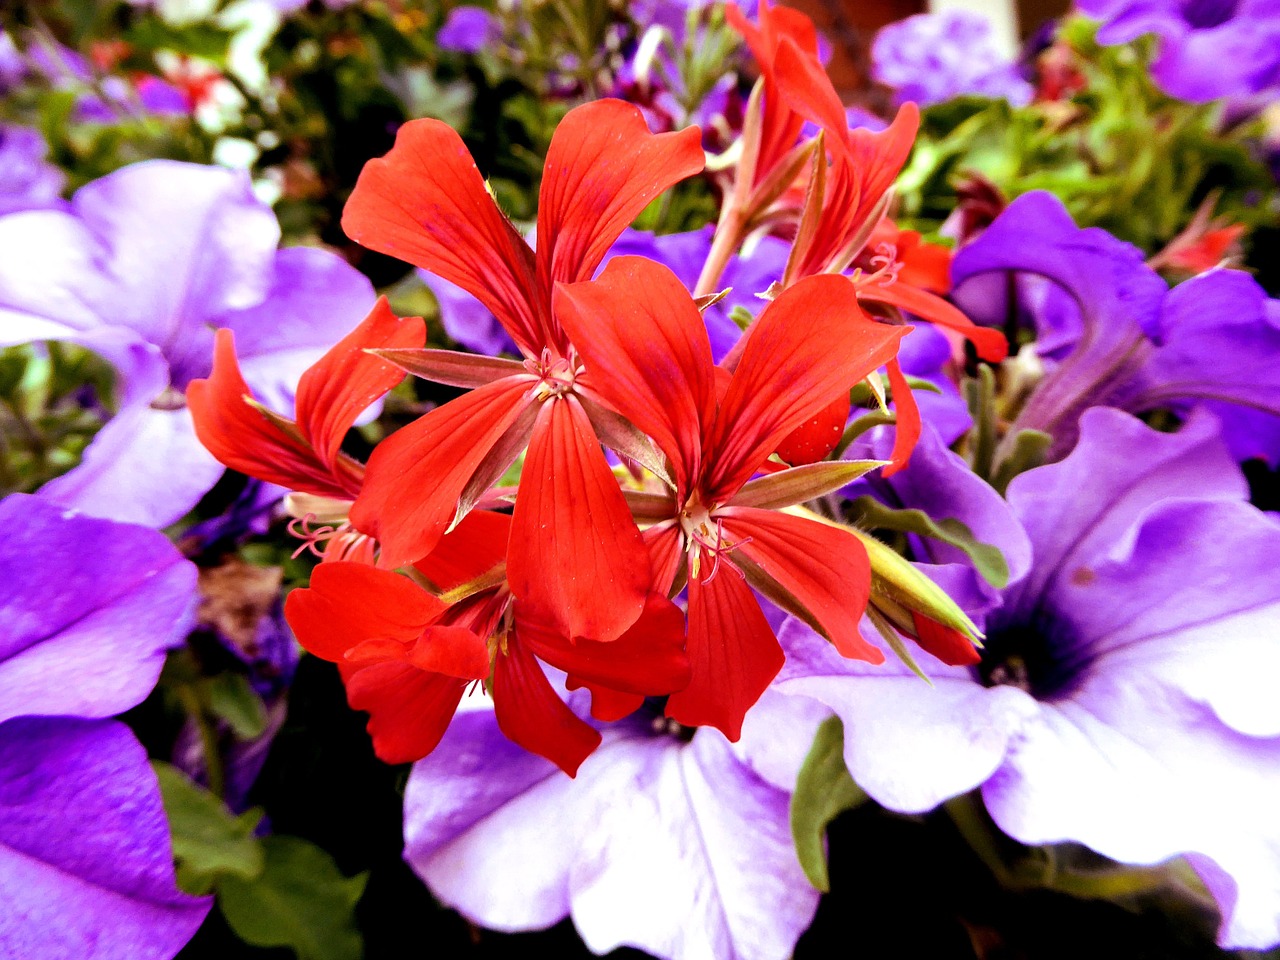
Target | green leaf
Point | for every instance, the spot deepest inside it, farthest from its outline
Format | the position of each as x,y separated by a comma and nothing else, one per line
824,789
301,901
988,559
233,699
209,843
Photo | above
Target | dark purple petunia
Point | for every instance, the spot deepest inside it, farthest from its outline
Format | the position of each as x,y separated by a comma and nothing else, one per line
672,841
142,267
1125,699
1208,49
1127,340
88,609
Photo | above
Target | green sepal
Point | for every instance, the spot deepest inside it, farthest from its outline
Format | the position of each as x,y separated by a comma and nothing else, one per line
1027,450
895,642
209,842
300,900
988,559
896,582
824,790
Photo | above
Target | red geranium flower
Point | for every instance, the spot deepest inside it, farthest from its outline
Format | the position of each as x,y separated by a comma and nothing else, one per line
576,554
407,656
649,353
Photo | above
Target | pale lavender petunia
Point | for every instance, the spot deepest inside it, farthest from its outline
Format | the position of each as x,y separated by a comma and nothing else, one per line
1126,340
88,609
678,846
1208,49
1125,700
933,57
142,267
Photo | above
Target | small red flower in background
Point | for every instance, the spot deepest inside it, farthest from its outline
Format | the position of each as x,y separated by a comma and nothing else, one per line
641,334
576,554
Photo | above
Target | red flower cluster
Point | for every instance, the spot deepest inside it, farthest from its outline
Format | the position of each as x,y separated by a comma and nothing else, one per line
429,585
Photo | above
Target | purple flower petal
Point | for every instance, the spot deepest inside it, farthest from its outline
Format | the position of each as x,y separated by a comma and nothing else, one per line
86,867
87,610
1120,469
144,466
909,745
930,58
677,848
182,243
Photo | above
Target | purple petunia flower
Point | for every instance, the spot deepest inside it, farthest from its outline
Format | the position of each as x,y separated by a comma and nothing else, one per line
87,610
1124,339
1208,49
932,57
1125,700
678,846
469,30
142,267
27,179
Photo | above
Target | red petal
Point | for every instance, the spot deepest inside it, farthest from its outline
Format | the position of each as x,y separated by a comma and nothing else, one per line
908,428
733,651
878,157
349,603
823,567
416,476
803,82
809,346
602,169
780,126
664,541
575,553
924,265
609,706
453,651
946,643
342,383
425,202
530,713
648,659
245,440
409,710
991,344
813,440
647,354
474,547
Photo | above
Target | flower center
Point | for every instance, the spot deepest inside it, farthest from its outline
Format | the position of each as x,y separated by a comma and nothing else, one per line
1207,14
556,375
705,540
1042,658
